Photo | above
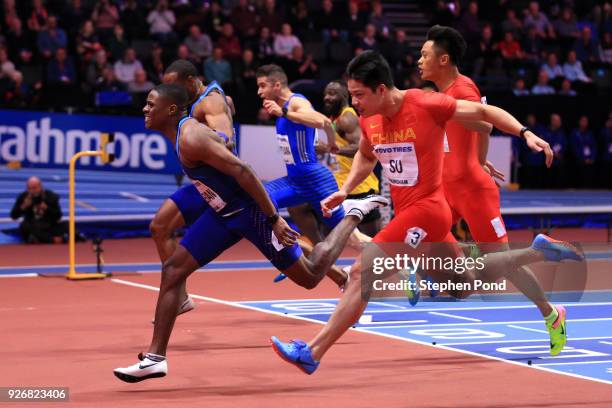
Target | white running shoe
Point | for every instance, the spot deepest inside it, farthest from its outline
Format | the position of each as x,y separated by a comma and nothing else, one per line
362,206
347,270
143,370
187,306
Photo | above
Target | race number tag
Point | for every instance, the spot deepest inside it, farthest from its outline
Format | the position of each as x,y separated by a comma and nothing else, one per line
210,196
399,162
285,148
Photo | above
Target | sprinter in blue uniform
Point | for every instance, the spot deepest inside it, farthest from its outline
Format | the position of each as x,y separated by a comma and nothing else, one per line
239,208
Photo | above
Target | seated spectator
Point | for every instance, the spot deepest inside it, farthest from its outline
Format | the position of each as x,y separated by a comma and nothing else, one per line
486,53
51,38
401,56
161,22
41,214
7,67
587,47
95,69
60,70
300,66
229,43
285,41
556,138
155,64
552,68
117,43
105,16
140,83
182,52
87,42
469,24
542,87
509,48
271,17
605,48
355,22
109,83
302,20
214,20
134,21
567,29
245,19
218,68
264,47
199,44
379,20
538,20
21,41
512,24
74,15
442,15
584,150
572,69
566,88
39,18
368,42
520,89
125,69
532,46
330,23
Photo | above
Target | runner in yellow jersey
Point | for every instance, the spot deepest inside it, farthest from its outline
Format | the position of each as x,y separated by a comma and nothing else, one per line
348,133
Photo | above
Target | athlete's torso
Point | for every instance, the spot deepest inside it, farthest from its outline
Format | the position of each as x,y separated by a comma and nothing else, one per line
409,146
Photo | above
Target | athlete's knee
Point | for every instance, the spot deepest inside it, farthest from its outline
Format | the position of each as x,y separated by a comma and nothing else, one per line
172,274
159,229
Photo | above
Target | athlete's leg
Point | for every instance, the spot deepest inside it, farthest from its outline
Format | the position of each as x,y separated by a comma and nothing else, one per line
306,222
166,221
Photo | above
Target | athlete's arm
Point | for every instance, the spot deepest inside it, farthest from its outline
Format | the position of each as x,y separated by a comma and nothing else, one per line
502,120
348,123
213,111
200,144
363,164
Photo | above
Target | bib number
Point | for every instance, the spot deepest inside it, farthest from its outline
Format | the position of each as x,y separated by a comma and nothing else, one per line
285,148
210,196
399,163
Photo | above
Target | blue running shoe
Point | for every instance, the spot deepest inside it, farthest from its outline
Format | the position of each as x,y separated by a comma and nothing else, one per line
295,352
281,276
556,251
413,292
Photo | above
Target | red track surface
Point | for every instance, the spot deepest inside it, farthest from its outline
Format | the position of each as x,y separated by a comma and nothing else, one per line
60,333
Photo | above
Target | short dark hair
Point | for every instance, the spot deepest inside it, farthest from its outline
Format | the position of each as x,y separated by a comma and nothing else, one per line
448,40
273,72
175,93
183,68
370,68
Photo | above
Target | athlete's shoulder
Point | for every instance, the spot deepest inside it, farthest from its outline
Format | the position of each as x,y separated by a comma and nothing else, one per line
464,88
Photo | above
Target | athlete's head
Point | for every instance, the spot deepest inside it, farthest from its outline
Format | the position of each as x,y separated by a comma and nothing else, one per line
164,102
271,80
185,74
369,81
335,98
444,48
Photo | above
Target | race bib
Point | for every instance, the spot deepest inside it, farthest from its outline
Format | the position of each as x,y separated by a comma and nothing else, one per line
210,196
285,148
399,162
446,147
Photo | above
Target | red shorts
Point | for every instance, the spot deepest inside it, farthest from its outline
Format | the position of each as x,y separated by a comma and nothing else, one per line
479,207
426,220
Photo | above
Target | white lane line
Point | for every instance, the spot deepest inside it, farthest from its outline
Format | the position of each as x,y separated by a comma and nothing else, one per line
471,319
576,362
133,196
527,328
522,341
389,336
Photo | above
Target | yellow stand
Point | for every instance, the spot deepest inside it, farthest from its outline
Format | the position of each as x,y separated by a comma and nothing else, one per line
105,138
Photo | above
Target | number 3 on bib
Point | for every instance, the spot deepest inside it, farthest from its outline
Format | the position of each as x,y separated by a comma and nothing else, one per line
399,162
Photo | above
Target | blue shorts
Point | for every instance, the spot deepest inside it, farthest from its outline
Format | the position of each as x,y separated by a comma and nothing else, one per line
310,187
212,234
190,203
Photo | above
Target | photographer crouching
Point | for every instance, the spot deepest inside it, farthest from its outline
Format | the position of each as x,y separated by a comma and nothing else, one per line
41,214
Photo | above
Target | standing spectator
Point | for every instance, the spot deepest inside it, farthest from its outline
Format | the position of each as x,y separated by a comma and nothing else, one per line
73,17
469,24
125,69
285,41
133,19
587,47
605,48
584,150
552,68
218,68
161,22
330,23
572,69
532,46
606,141
556,138
271,17
356,21
369,42
302,21
246,82
486,53
264,47
542,87
566,88
60,70
300,66
538,20
199,44
117,43
41,214
105,16
140,84
378,19
21,41
245,19
533,167
51,38
229,43
512,24
39,17
567,29
401,57
87,43
214,20
520,89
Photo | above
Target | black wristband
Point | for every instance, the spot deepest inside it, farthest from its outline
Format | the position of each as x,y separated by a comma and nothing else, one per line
271,220
523,130
285,111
